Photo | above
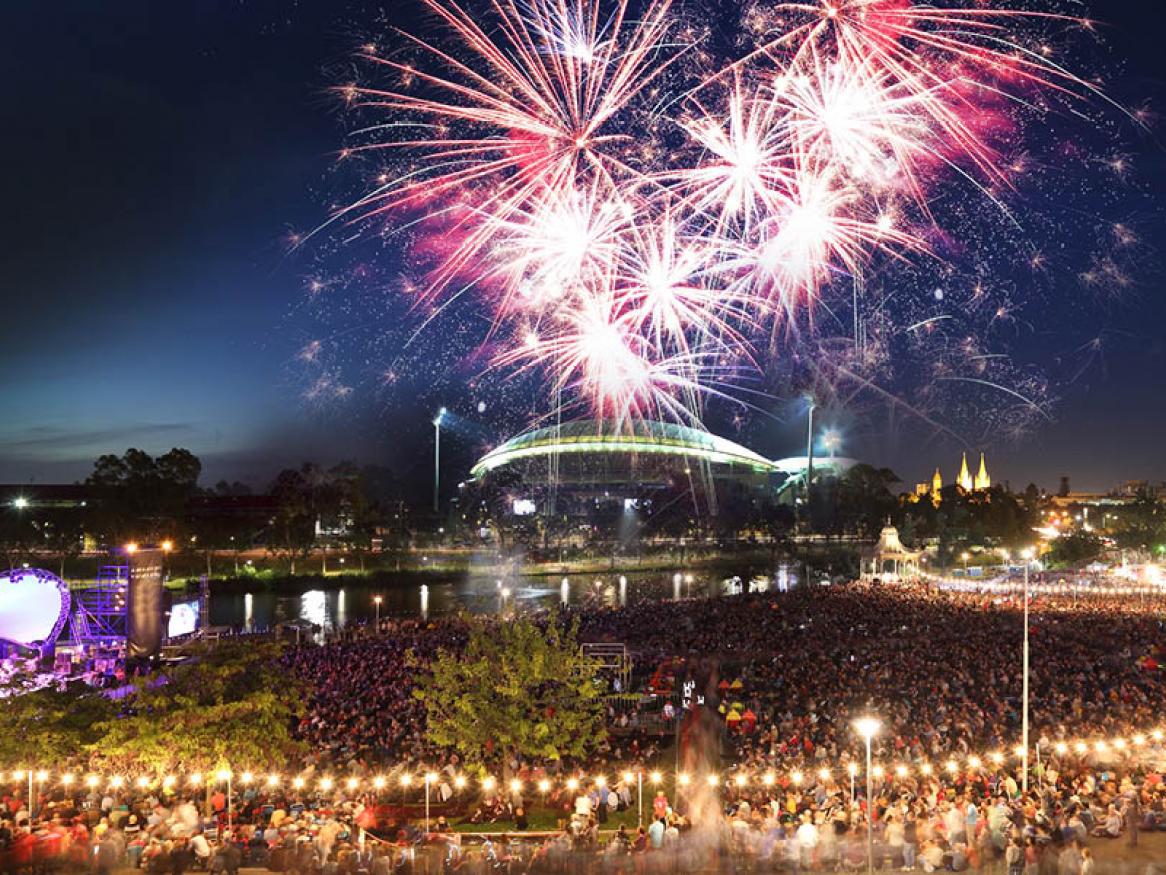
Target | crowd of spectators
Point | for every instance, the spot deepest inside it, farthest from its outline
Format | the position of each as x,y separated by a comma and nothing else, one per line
975,821
940,669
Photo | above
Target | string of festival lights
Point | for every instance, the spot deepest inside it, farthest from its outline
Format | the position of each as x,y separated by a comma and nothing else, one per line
740,778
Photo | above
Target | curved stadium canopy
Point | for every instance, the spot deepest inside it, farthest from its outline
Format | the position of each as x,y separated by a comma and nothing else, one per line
588,437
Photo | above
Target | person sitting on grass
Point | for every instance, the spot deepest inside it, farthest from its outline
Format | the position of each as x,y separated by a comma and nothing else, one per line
1110,828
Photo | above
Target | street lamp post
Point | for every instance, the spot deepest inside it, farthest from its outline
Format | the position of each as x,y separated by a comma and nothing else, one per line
225,775
809,481
430,777
867,727
437,458
1027,555
640,794
377,601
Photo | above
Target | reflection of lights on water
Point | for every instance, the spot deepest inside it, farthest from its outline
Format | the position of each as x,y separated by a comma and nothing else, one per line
424,602
313,607
324,607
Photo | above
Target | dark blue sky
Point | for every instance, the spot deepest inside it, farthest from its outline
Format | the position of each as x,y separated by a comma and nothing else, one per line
156,156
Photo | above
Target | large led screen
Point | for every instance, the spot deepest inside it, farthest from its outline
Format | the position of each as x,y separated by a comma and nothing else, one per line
34,605
183,619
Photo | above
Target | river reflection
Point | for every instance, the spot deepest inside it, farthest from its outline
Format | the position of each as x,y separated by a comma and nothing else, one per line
348,601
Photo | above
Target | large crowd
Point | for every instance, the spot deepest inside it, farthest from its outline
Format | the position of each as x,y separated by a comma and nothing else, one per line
970,821
940,669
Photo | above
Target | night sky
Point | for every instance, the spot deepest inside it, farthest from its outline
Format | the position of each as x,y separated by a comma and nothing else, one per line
157,156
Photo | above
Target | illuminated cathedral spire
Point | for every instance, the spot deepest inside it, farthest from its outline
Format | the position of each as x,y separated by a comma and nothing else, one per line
983,481
964,481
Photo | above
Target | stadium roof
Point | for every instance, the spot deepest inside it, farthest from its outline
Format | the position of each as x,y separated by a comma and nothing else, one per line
590,436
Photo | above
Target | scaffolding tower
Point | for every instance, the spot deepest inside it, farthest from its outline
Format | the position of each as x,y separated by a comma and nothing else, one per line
99,610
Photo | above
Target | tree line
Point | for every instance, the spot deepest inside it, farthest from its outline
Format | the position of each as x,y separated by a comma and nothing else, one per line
136,497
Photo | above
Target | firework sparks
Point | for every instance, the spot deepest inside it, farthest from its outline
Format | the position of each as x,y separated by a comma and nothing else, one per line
633,214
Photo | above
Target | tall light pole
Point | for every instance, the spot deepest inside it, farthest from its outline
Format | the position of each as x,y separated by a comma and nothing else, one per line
867,727
430,777
809,448
1027,555
437,419
809,480
376,600
225,775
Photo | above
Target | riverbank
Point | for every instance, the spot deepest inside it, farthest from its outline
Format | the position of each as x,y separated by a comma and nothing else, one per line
448,573
449,567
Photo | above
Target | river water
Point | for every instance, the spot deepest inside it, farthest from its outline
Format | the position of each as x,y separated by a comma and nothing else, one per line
333,606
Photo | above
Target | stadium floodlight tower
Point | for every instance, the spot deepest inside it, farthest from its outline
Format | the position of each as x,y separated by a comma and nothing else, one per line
437,458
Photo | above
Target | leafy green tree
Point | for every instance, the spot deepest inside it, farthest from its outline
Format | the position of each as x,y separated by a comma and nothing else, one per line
292,532
64,534
44,728
1140,524
231,705
140,497
517,688
1075,549
865,500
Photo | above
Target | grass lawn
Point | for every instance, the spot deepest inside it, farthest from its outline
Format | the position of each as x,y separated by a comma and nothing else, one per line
545,819
1151,849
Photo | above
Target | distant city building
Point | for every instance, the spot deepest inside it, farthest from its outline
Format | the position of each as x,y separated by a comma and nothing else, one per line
57,496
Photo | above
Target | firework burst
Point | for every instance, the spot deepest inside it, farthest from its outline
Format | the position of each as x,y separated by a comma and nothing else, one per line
636,217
